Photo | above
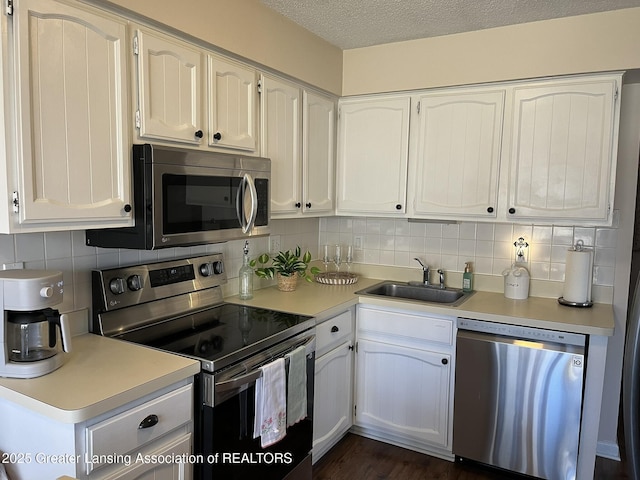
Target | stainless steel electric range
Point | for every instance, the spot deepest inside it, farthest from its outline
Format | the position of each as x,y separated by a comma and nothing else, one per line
177,306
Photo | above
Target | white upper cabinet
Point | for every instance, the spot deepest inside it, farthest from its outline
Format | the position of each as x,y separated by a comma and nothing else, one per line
318,153
169,88
72,147
373,149
540,150
281,142
455,153
232,105
563,149
298,131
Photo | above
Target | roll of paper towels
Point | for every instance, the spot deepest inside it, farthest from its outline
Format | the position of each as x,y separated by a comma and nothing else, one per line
578,276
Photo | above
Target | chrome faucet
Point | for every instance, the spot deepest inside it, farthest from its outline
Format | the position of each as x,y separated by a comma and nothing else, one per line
441,273
425,271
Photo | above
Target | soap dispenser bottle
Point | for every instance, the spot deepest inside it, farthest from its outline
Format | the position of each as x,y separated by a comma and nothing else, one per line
467,278
245,276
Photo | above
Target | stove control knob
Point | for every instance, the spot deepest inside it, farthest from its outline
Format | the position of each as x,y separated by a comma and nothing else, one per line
116,285
218,267
134,282
206,269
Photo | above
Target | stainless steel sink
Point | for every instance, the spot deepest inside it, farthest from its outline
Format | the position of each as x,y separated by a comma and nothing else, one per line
416,291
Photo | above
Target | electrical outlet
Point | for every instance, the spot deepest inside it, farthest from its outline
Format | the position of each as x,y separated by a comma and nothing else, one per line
522,250
13,266
274,243
357,242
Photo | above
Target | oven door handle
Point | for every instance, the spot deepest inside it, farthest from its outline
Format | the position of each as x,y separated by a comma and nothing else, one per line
256,373
247,224
239,381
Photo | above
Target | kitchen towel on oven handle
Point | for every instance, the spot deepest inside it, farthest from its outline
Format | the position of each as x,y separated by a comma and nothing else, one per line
270,404
297,385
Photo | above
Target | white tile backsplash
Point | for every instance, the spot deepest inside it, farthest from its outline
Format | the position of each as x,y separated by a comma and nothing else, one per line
67,252
385,242
489,246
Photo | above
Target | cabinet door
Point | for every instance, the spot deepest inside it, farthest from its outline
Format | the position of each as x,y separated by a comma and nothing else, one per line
169,89
72,102
232,105
332,398
456,157
373,149
281,143
403,391
318,158
563,150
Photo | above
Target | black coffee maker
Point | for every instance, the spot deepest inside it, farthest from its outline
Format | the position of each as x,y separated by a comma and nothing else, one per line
33,334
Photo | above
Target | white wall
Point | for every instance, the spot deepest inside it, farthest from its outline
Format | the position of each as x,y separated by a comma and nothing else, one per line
627,175
249,30
587,43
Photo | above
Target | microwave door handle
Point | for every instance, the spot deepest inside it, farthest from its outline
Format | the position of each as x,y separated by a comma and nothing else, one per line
240,204
254,203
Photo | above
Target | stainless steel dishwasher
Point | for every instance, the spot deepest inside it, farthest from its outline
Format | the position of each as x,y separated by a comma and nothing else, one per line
518,398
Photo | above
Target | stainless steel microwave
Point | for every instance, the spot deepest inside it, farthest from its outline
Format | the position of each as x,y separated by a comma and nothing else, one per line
187,197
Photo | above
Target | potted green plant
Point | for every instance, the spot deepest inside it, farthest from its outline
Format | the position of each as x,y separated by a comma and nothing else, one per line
285,267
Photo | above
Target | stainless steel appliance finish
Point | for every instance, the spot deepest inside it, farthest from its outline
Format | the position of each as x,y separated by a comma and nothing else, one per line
189,197
177,306
518,398
631,387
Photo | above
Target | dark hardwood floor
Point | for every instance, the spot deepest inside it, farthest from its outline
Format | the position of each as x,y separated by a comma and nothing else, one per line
359,458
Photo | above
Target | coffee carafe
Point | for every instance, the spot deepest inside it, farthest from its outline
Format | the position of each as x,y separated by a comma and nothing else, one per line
29,338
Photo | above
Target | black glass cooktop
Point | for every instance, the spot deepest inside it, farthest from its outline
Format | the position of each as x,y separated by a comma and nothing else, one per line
221,334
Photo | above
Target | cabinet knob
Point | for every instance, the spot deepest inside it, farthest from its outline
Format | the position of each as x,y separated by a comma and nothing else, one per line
148,422
490,209
512,210
445,361
308,205
398,207
217,136
199,134
298,205
334,329
127,208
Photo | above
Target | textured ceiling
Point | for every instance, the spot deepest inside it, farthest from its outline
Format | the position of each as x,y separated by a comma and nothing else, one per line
362,23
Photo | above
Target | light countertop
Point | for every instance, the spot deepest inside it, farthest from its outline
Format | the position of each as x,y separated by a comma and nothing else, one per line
100,374
316,300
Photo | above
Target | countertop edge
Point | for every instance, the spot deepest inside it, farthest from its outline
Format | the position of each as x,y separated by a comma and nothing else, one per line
538,312
93,410
99,375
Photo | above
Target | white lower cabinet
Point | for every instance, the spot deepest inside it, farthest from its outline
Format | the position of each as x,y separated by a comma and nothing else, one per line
333,386
145,439
404,379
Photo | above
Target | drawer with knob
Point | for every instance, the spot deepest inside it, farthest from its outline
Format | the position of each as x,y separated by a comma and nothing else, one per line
131,429
333,332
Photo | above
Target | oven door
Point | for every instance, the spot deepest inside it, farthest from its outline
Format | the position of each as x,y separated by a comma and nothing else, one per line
226,429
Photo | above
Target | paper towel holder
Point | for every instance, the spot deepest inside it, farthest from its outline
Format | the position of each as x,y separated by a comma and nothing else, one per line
578,247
